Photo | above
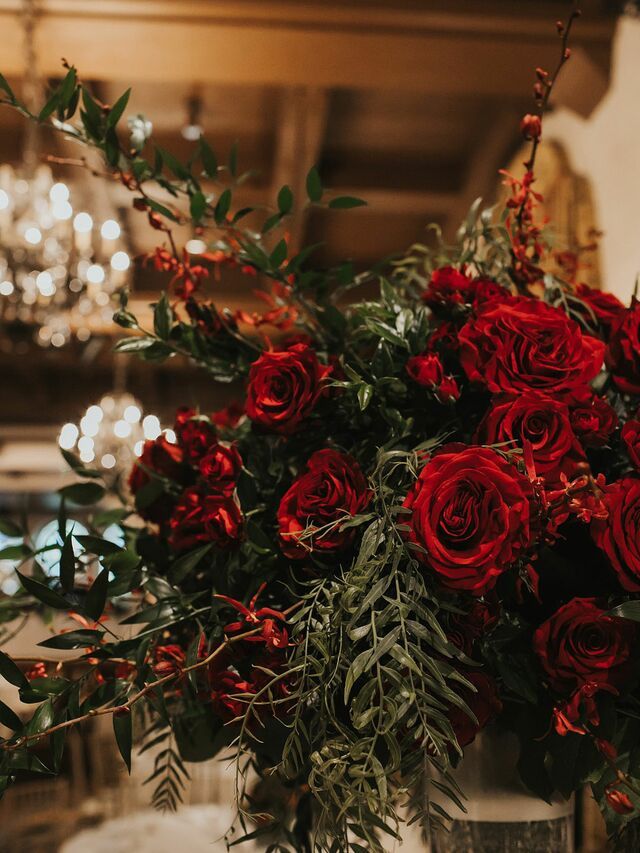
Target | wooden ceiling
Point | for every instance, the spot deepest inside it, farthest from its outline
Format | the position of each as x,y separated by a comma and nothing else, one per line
411,105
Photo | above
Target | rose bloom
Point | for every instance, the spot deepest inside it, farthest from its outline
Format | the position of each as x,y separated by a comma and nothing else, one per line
623,352
484,703
470,512
220,468
528,345
166,460
195,434
465,628
229,417
631,436
427,370
284,388
606,307
199,518
448,287
580,643
593,420
542,421
619,534
332,489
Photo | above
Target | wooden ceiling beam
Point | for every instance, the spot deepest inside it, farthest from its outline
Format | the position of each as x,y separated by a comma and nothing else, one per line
449,49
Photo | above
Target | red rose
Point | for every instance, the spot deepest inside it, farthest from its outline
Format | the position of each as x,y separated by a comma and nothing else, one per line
623,352
168,659
310,515
427,370
195,434
580,643
528,345
229,417
200,518
593,420
166,460
619,533
220,468
448,287
531,126
465,628
606,307
486,290
631,437
470,515
443,339
544,423
484,703
284,388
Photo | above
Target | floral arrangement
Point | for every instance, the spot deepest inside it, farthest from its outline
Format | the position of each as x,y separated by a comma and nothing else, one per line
423,517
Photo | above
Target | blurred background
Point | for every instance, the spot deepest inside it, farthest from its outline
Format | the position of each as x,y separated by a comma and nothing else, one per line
412,105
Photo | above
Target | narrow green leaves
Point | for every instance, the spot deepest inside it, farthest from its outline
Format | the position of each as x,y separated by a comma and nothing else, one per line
43,593
11,672
123,730
83,494
345,202
116,111
96,598
314,185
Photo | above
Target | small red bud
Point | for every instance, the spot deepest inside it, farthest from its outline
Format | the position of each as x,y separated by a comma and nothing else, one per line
619,801
139,204
542,74
567,53
538,92
531,126
560,27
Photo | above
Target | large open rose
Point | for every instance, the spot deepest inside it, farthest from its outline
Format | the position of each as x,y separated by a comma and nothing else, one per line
581,644
542,421
221,467
310,515
195,433
165,460
623,352
199,518
528,345
284,386
619,534
470,515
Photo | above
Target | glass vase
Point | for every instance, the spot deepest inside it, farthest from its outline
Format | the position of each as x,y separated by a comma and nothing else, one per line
502,815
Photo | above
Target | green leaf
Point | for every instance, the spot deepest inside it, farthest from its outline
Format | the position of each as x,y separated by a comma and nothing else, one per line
76,465
116,111
83,637
222,207
92,115
365,393
178,169
42,719
197,206
184,565
162,318
67,89
123,730
67,564
279,254
209,160
83,494
271,222
11,672
97,596
43,593
628,610
386,332
134,344
98,545
49,106
285,200
6,88
345,202
10,528
15,552
8,718
314,185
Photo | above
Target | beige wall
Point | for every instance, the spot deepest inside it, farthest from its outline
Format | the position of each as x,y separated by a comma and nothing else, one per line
606,148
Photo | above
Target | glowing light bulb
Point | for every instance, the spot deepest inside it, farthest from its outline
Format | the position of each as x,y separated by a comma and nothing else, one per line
95,274
132,414
82,223
110,230
85,444
122,429
44,283
59,193
89,427
151,427
94,413
6,288
138,448
4,200
33,235
68,436
120,261
196,247
62,210
170,436
108,460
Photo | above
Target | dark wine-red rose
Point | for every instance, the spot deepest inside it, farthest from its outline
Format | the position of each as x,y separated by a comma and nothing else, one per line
606,307
543,422
195,433
220,468
165,460
427,370
310,516
284,387
631,437
199,518
581,644
448,287
528,345
619,534
470,515
593,420
623,352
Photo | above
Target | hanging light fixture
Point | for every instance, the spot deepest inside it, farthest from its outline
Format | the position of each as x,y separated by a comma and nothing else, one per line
59,268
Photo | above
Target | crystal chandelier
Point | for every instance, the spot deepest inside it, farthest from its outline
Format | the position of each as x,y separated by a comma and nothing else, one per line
111,434
58,267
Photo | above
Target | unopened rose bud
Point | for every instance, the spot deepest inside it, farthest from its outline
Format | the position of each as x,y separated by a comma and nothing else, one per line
559,27
619,801
531,126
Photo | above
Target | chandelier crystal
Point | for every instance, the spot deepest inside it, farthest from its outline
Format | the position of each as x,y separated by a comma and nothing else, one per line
59,269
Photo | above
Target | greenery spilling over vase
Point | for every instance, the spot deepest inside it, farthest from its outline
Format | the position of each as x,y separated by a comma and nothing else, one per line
421,516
